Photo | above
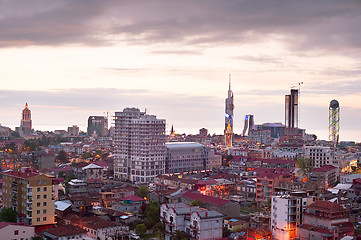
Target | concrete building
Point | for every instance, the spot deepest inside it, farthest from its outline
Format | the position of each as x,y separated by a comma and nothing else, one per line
139,146
348,179
198,223
324,220
73,131
30,195
286,215
98,125
291,109
325,176
190,156
322,156
16,231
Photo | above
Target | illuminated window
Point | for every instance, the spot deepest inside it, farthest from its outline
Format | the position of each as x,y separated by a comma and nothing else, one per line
16,232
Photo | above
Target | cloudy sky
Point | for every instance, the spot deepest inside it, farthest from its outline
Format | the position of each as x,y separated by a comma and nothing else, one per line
73,58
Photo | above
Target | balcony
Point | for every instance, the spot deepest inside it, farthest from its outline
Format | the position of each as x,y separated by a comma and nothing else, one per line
29,200
29,193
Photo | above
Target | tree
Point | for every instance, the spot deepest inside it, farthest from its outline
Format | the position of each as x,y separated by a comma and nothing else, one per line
197,202
305,165
143,191
179,235
159,229
8,215
62,157
140,229
153,212
86,155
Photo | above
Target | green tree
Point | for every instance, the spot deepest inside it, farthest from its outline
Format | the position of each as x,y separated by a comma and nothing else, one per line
305,165
197,202
159,229
179,235
86,155
8,215
143,192
62,157
153,212
140,229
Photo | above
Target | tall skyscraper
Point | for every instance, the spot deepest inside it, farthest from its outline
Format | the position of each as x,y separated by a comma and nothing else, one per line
99,125
229,107
139,146
26,123
248,123
291,109
334,121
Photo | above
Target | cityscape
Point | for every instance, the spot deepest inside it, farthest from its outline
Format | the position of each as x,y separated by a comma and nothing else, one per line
176,120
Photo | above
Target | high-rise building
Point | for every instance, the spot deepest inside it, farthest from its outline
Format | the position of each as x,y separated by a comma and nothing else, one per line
99,125
248,124
26,123
334,122
139,145
29,194
203,132
291,109
228,126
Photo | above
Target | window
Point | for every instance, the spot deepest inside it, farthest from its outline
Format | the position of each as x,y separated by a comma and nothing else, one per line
38,196
44,204
44,195
37,211
45,189
16,232
45,181
38,182
44,211
38,189
38,204
44,218
38,219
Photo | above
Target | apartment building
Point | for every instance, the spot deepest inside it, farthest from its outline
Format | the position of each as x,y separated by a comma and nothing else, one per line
286,215
139,146
322,156
30,195
198,223
190,156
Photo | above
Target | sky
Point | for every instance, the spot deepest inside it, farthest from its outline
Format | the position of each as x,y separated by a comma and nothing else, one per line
70,59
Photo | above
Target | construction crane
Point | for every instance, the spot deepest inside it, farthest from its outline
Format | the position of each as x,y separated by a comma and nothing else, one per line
299,97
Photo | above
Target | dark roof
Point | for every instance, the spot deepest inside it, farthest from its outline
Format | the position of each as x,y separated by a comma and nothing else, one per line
97,223
80,165
315,228
206,199
66,230
324,168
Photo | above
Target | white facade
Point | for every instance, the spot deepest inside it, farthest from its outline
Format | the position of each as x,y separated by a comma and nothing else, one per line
286,215
190,156
198,223
348,179
16,231
322,156
139,145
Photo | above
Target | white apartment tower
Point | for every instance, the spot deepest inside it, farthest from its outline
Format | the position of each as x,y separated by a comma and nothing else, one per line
139,146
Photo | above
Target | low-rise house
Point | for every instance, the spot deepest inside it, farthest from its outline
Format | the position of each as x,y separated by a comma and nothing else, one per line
10,231
198,223
226,207
235,225
129,204
64,232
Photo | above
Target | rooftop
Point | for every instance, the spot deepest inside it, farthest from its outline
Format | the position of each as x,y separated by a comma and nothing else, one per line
66,230
324,168
206,199
183,145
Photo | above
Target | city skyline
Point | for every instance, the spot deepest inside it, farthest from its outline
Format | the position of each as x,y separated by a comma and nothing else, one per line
71,60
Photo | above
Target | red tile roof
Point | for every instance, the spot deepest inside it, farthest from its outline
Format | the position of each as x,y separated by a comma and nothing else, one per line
324,168
28,173
66,230
133,198
4,224
326,206
315,228
206,199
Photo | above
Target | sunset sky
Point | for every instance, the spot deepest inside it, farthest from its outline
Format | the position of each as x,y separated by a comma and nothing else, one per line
73,58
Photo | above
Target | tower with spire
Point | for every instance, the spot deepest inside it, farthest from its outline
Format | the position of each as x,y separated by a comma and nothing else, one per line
26,123
229,107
